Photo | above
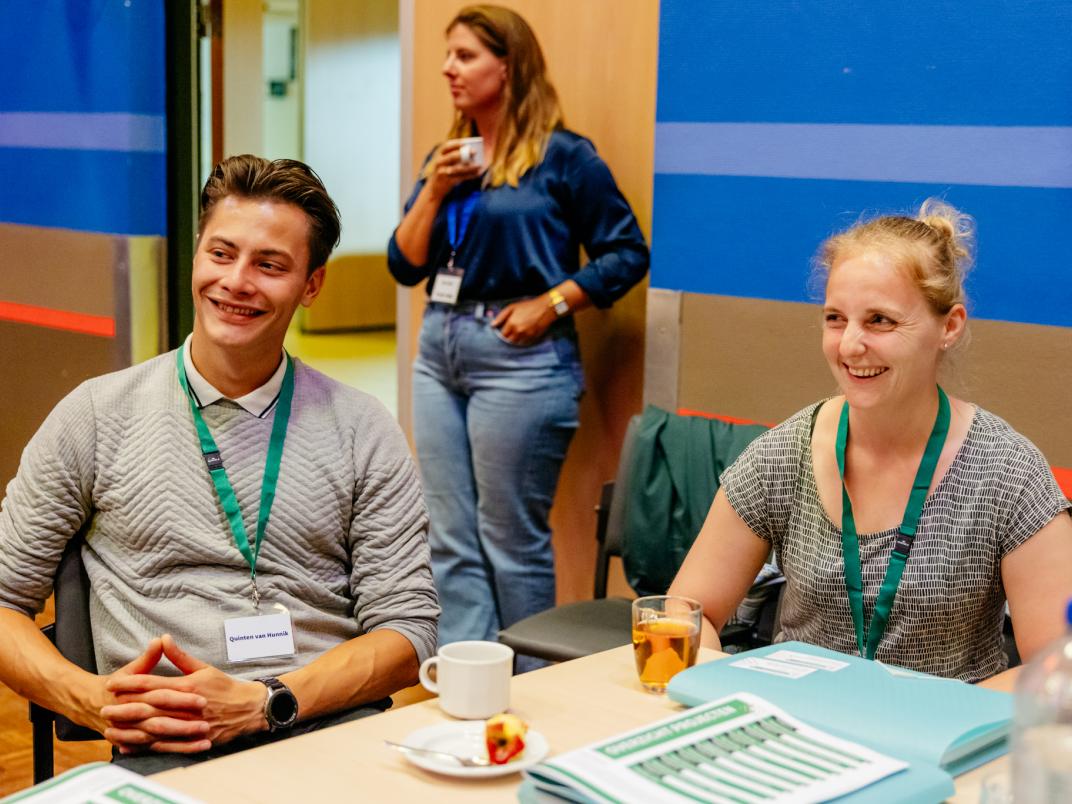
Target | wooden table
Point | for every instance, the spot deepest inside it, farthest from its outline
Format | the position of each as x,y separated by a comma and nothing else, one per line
571,704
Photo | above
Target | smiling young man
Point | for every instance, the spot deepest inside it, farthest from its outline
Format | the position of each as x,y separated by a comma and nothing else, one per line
255,537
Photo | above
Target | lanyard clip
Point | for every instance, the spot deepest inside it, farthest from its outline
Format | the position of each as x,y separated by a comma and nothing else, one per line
903,543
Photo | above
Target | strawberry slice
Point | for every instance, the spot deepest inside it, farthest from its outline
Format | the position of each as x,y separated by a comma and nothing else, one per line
504,736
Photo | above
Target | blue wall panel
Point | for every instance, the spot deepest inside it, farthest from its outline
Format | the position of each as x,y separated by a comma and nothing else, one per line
82,56
779,123
91,191
755,237
952,62
82,127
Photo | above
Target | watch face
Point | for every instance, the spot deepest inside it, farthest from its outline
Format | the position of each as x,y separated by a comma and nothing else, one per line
284,707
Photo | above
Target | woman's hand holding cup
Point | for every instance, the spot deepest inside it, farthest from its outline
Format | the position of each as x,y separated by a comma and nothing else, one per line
449,168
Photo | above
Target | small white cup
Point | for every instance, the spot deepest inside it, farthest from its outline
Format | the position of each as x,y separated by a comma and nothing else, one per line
471,151
472,679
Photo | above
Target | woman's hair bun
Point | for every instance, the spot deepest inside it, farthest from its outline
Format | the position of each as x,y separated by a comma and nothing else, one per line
935,246
955,229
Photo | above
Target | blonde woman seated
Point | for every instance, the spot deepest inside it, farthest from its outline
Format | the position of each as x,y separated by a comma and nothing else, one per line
912,578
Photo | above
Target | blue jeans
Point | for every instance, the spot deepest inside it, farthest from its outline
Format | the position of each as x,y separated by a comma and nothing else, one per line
492,422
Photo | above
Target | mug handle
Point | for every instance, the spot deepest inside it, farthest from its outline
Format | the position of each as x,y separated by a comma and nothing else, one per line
425,676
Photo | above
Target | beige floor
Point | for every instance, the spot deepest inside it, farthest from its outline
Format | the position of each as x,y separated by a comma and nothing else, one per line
362,360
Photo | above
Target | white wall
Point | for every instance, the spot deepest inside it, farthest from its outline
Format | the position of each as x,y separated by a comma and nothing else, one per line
282,120
352,109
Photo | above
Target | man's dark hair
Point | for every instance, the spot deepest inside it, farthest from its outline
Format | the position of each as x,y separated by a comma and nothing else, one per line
285,181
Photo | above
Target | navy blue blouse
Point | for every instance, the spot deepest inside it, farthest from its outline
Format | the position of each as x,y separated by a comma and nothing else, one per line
524,240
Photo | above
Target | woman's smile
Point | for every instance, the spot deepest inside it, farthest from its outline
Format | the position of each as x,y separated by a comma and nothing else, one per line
862,373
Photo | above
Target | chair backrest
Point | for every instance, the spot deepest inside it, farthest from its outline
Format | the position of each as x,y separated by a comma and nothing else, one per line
672,477
73,637
618,504
73,634
611,511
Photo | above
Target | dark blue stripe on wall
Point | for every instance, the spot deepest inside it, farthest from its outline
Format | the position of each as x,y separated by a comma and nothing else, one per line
94,191
944,62
82,56
755,237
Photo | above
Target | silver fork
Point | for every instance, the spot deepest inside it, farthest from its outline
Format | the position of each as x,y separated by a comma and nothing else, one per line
465,762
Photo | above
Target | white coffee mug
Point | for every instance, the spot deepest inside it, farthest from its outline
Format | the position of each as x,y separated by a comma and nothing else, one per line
471,151
472,679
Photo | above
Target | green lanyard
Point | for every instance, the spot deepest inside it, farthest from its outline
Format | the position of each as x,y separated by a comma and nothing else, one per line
850,543
224,490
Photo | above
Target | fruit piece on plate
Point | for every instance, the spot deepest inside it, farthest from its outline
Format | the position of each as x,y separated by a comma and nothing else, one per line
505,737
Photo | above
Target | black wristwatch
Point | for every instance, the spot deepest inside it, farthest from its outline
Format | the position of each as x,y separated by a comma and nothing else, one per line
280,706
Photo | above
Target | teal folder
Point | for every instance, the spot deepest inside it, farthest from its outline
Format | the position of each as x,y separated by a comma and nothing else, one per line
935,724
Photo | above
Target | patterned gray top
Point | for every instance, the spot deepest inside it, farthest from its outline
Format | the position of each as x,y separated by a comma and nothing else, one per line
948,613
345,550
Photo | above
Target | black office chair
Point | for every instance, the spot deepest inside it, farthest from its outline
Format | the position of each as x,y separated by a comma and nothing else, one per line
73,637
755,623
580,629
1009,639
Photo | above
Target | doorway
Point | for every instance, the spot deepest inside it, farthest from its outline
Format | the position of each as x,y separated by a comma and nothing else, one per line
319,81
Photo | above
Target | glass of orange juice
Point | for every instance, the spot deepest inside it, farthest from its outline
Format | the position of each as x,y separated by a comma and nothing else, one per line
666,637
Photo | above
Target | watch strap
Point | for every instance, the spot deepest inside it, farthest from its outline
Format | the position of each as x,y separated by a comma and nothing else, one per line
557,302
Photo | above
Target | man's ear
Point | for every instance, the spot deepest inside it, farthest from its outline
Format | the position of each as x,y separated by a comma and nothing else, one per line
313,286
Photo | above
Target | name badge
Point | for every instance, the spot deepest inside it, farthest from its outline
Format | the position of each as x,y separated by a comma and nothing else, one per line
258,637
447,285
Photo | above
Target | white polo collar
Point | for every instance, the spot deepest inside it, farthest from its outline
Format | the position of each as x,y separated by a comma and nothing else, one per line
259,401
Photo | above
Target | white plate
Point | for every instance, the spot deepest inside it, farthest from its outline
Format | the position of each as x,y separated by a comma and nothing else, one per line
466,738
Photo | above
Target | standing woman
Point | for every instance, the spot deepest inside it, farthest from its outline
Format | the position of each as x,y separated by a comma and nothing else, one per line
498,378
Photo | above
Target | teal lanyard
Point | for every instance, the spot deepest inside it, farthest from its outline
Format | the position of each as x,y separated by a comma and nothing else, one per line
850,543
224,490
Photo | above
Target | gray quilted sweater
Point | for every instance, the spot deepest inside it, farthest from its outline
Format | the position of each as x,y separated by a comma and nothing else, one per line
345,550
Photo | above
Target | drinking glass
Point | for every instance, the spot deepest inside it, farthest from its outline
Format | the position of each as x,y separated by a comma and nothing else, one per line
666,638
